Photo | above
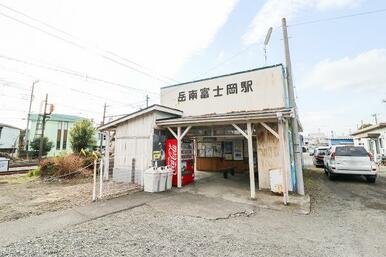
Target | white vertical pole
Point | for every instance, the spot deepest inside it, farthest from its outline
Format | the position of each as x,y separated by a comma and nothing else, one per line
179,170
250,158
294,123
195,152
107,156
283,161
100,178
94,182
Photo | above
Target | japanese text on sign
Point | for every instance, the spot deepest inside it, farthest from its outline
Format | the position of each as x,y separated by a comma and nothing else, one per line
230,89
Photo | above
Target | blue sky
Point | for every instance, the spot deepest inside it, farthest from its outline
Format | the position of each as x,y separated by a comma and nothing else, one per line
339,65
339,109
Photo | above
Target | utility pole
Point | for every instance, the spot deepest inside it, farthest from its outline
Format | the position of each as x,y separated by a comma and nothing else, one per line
26,140
104,114
103,123
43,127
294,123
375,118
147,101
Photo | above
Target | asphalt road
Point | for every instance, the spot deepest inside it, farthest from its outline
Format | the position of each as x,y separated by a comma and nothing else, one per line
348,218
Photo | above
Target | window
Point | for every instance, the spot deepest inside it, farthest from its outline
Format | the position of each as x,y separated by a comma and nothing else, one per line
59,135
65,132
351,151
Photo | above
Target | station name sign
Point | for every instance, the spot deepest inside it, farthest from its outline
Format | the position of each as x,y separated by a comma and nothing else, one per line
244,91
205,92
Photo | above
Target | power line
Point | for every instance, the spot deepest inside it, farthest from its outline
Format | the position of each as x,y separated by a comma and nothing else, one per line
76,74
61,85
338,17
79,45
293,25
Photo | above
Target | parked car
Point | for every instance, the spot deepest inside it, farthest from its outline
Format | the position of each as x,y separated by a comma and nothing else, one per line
351,160
318,156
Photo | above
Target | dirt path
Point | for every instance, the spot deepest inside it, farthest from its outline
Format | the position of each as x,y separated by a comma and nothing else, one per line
22,196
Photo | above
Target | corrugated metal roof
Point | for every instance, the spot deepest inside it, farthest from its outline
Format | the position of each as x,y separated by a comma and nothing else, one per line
8,126
227,117
154,107
370,128
59,117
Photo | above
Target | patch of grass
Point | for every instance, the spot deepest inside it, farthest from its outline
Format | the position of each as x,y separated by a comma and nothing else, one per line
16,179
34,172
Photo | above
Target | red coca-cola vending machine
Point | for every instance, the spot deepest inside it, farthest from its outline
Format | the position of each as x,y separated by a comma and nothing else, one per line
187,160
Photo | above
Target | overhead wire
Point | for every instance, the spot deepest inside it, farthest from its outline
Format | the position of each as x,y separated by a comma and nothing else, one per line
338,17
82,46
293,25
61,85
76,74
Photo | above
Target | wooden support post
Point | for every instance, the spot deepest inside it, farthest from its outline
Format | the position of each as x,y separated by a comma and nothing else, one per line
250,157
179,163
273,132
107,156
240,130
94,182
283,158
100,178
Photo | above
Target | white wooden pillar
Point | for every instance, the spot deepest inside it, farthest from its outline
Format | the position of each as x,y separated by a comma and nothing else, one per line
107,156
250,158
179,173
179,136
283,159
248,136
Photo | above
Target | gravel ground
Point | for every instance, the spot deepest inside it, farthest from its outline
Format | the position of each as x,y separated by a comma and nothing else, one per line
22,196
348,218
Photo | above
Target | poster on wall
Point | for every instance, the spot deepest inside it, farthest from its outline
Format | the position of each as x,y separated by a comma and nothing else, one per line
228,150
238,150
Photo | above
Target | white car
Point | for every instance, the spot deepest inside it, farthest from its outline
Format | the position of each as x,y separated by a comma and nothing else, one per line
352,160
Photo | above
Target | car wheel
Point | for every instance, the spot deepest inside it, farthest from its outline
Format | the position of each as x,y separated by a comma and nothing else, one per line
371,179
330,175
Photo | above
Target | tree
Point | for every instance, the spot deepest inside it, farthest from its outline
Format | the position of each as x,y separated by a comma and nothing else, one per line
82,135
47,145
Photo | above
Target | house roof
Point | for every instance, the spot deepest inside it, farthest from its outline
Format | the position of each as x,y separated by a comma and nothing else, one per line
8,126
59,117
154,107
227,118
225,75
370,128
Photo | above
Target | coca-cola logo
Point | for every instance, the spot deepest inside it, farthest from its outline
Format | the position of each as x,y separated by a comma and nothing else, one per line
172,153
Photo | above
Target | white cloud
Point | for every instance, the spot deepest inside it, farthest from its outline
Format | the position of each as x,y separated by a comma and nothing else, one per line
362,72
161,35
273,11
328,4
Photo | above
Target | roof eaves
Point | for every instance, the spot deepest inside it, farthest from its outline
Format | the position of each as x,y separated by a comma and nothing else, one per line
154,107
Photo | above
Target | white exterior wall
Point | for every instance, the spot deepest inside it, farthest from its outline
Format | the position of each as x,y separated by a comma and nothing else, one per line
268,90
134,139
363,140
9,138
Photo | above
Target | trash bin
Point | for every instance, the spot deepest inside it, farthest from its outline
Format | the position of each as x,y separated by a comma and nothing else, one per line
169,178
151,180
4,164
163,179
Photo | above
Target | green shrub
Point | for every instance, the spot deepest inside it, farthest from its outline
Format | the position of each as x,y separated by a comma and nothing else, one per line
34,172
47,145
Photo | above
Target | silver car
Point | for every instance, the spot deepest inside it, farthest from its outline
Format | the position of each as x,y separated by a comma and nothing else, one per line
352,160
